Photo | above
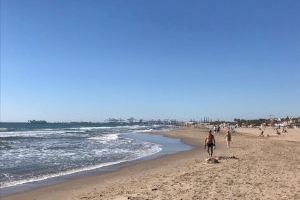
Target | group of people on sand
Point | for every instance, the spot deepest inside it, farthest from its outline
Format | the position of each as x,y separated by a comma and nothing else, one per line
210,142
216,129
278,131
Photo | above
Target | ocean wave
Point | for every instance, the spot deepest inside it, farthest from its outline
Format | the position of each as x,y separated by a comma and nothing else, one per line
155,149
69,150
113,127
105,138
125,127
4,129
143,131
48,176
92,128
29,133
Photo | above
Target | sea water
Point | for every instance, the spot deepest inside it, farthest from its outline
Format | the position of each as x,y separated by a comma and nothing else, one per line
34,153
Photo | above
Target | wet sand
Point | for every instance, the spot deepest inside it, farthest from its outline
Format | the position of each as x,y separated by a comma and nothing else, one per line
262,168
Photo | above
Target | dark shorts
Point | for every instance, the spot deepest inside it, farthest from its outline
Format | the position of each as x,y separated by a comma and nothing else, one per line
210,144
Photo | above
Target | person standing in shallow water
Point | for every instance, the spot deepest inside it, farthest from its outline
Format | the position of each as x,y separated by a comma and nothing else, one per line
228,138
210,143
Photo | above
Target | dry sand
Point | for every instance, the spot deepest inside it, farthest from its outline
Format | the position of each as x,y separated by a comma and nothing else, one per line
262,168
291,135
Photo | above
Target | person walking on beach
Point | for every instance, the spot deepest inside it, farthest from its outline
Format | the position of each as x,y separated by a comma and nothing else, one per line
262,133
210,143
228,138
218,129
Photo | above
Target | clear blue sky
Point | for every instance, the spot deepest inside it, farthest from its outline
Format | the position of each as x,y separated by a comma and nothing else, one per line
90,60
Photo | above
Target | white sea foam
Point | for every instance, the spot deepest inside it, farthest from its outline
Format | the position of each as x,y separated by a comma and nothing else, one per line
98,142
44,177
134,127
94,128
97,128
143,131
105,138
155,149
75,131
101,151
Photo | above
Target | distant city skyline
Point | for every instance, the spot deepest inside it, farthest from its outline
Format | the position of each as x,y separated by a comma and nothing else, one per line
92,60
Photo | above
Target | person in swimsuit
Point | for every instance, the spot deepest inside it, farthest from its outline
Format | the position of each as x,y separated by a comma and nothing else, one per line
284,130
210,143
262,133
228,138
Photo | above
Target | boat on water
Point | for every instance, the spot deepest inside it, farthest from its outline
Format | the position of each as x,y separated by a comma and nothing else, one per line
37,122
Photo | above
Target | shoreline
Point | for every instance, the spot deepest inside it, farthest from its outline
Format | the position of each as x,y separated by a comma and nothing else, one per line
169,146
253,168
108,171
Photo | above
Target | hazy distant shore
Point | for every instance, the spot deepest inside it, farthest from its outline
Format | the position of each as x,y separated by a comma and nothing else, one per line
265,168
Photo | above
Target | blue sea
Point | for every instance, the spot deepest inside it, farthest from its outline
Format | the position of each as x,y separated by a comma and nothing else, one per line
33,153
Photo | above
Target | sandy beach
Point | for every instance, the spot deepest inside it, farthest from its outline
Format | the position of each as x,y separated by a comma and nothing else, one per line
149,100
262,168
